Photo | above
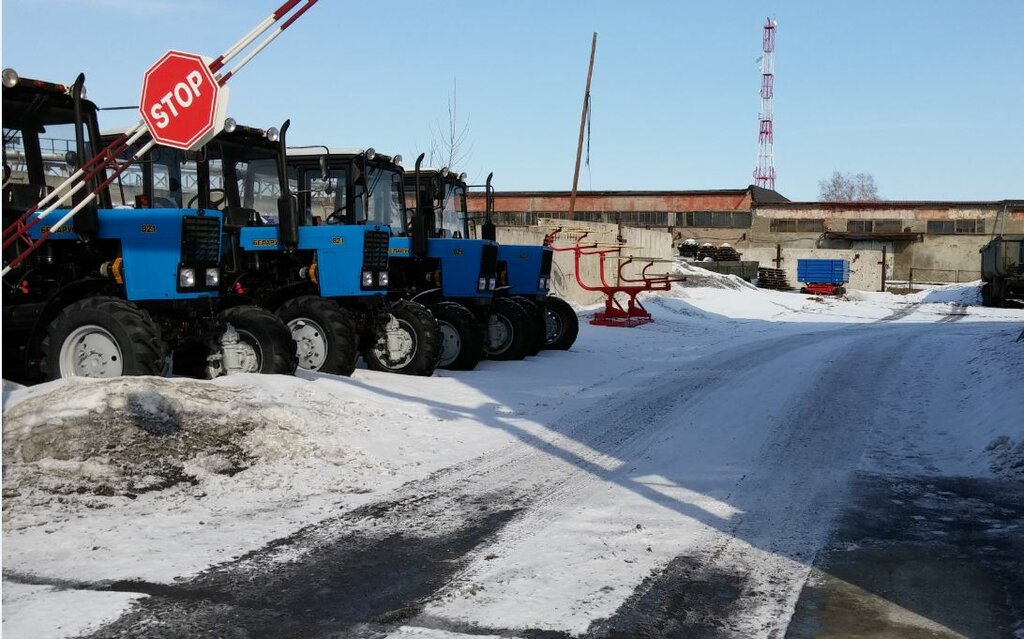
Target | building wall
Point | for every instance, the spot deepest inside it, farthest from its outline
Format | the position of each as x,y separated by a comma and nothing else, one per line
914,248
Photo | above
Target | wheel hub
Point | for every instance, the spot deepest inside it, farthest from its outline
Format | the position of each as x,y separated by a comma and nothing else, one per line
451,343
310,343
239,353
499,333
552,326
396,346
91,351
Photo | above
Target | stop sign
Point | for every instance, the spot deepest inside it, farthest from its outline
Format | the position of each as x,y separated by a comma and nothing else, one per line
182,103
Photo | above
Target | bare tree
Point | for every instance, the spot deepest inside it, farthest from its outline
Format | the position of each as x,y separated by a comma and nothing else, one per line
449,141
847,187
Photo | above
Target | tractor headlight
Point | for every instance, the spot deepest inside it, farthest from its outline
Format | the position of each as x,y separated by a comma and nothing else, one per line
481,284
397,160
370,153
367,278
462,176
212,277
187,277
382,278
541,284
273,134
491,283
444,171
10,78
230,125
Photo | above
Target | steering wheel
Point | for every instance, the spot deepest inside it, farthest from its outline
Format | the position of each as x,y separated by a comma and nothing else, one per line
214,201
336,215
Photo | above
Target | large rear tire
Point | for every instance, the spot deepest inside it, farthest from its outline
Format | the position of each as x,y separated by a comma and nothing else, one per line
538,325
265,339
507,330
324,334
562,324
462,339
102,337
409,344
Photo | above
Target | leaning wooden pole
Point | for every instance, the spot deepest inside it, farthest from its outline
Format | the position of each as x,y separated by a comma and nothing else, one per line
583,127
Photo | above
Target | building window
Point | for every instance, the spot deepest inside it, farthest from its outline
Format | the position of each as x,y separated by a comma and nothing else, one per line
950,227
798,226
715,219
874,226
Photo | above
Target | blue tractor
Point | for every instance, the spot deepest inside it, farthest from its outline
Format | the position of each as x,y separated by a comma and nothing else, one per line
454,276
525,269
327,280
116,291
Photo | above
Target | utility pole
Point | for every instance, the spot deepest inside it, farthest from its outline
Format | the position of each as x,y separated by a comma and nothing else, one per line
583,126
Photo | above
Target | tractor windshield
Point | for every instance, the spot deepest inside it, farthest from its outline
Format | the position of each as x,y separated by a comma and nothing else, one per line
452,217
258,187
385,199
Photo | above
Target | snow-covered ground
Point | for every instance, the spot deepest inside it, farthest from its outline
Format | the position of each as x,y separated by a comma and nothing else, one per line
614,459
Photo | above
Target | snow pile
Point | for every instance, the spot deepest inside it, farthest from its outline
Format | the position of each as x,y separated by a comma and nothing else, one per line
130,436
703,278
968,294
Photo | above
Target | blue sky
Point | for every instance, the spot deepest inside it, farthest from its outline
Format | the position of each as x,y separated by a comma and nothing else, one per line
928,96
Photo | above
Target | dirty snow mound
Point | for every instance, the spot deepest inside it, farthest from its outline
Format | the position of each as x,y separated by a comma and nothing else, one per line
134,435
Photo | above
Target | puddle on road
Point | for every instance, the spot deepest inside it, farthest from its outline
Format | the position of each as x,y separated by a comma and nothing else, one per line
923,557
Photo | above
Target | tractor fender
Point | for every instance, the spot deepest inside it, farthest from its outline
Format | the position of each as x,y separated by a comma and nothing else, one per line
427,297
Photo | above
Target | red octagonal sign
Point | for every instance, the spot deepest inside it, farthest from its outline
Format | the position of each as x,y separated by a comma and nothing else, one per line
182,103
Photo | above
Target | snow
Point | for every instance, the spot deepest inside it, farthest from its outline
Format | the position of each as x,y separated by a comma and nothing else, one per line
159,479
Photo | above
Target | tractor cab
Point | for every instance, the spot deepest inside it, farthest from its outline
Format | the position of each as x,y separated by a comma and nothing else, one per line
438,230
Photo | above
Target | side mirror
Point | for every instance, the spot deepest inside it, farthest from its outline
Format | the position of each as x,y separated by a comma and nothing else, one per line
71,159
324,173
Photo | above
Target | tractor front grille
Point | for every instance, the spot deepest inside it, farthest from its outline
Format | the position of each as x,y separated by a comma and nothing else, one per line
489,261
375,251
200,239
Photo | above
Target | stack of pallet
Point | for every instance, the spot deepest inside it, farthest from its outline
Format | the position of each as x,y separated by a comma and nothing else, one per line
773,278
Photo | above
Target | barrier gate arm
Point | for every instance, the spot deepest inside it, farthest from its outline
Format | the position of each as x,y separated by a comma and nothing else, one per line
107,158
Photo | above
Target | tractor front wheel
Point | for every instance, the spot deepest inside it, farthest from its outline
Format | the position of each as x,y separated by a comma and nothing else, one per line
538,325
462,340
324,334
409,342
562,324
103,337
507,330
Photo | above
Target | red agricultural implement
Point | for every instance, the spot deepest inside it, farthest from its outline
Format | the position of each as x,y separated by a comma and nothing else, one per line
615,313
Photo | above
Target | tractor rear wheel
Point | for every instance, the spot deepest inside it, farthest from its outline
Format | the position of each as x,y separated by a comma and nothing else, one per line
255,341
538,325
409,344
562,324
462,339
507,330
102,337
324,334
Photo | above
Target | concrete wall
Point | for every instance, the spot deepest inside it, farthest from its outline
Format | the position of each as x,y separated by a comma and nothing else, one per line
865,270
640,242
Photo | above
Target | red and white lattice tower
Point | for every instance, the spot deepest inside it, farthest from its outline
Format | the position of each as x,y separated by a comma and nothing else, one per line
764,173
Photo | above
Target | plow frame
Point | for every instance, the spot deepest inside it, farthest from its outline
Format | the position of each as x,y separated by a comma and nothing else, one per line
633,313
